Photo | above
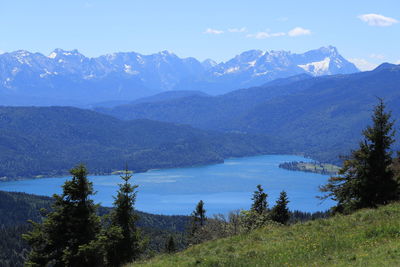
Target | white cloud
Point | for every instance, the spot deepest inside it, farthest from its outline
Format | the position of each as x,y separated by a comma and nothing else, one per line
213,31
264,35
377,20
377,56
363,64
298,31
243,29
397,62
1,52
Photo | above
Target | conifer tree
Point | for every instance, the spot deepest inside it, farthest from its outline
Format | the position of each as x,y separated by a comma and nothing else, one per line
280,212
170,245
128,248
198,219
366,179
260,205
71,225
200,213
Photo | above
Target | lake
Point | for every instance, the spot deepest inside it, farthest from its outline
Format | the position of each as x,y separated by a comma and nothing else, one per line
222,187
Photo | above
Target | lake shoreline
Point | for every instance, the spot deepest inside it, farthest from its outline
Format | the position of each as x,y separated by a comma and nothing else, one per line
223,187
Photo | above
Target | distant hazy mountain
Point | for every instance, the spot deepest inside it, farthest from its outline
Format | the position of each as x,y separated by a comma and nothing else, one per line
322,116
164,96
70,78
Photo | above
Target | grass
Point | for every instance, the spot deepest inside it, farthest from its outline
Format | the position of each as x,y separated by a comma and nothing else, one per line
368,237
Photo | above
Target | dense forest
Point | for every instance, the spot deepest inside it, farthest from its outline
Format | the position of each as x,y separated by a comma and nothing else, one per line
48,141
14,223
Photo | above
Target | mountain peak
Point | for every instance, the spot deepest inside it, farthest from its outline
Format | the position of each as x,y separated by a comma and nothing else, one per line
329,50
387,66
58,52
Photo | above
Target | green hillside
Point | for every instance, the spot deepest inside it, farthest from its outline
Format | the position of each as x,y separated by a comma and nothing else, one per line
369,237
49,140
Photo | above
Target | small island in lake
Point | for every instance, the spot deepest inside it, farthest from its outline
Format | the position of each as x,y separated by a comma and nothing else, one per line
316,167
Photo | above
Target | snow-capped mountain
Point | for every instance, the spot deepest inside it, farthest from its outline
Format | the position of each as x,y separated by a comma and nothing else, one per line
255,67
68,77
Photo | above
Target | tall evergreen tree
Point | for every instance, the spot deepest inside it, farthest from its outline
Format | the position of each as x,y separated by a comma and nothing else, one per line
170,245
200,213
128,248
366,179
260,205
198,220
71,225
280,212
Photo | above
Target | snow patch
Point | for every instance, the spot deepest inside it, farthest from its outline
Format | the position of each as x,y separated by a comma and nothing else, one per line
46,73
318,67
14,71
53,55
252,63
90,76
128,69
261,73
232,70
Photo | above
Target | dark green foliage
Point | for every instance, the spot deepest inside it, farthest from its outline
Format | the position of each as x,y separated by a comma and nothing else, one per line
259,198
63,237
49,140
366,179
280,212
199,214
170,245
128,247
17,208
197,222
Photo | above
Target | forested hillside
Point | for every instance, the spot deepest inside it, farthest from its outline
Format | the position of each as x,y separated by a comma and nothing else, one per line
17,208
320,116
48,141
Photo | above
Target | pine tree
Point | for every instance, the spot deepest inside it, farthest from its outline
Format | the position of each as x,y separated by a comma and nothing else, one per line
280,212
170,245
71,225
198,219
366,179
200,213
128,248
260,205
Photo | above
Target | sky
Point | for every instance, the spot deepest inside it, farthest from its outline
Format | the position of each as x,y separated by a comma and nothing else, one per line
366,32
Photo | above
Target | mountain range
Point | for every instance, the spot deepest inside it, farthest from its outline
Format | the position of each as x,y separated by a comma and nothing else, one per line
320,116
70,78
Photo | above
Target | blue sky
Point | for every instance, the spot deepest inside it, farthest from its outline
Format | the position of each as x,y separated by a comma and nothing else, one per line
367,32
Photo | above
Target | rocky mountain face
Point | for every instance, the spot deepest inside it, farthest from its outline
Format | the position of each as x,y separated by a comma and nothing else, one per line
70,78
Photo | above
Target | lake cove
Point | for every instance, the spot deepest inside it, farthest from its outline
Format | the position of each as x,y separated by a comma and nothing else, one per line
223,187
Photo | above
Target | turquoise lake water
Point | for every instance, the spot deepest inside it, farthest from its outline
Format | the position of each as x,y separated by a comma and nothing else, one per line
223,187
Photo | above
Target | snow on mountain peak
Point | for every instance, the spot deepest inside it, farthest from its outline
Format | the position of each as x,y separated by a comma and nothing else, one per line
52,55
318,67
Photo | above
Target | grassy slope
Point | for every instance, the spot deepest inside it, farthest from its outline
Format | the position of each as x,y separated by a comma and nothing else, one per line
366,238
